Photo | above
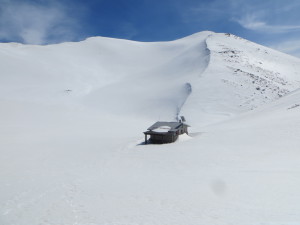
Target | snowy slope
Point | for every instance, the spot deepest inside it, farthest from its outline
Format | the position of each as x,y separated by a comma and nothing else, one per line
236,73
72,117
241,75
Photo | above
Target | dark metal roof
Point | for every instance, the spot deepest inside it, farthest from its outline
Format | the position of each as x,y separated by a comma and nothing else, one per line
174,126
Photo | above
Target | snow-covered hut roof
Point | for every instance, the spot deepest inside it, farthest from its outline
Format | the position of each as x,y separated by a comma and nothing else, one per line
162,127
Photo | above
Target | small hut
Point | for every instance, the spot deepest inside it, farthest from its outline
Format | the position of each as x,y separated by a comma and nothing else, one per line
165,132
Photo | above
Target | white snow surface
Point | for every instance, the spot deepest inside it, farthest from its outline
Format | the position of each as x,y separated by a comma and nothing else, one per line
72,117
162,129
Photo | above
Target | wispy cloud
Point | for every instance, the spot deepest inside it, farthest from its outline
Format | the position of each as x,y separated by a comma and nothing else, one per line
273,16
253,22
33,23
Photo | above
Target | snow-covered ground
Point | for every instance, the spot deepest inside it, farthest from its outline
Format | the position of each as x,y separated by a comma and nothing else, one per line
71,123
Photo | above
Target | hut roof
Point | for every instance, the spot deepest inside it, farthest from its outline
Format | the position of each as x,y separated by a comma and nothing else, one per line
162,127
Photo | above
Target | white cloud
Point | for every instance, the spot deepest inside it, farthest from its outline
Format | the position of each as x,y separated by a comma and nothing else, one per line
267,16
34,23
252,22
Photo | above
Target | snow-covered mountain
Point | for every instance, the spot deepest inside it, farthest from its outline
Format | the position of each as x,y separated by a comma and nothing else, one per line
72,117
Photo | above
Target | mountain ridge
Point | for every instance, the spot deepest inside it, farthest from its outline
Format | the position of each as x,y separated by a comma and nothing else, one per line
224,71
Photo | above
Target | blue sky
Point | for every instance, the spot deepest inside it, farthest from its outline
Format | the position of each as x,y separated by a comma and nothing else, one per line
274,23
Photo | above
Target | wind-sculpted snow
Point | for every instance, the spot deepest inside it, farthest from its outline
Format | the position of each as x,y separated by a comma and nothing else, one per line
71,141
116,75
159,90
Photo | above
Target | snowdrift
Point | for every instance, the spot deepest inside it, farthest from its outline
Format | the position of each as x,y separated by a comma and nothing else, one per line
72,117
